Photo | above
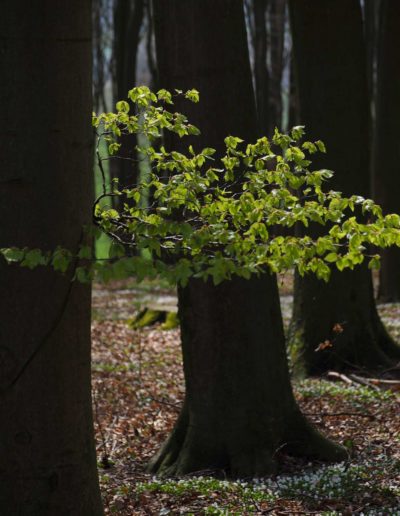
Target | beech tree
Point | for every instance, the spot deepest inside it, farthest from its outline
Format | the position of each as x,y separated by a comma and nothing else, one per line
387,152
239,409
48,462
340,318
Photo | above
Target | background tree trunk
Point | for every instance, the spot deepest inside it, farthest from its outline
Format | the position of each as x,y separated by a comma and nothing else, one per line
261,73
128,19
48,462
277,36
239,408
387,150
332,84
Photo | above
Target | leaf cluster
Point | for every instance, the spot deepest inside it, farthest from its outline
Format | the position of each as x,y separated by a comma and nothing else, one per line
215,216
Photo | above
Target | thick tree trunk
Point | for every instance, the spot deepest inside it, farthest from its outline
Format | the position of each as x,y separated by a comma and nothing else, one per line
387,150
333,97
239,408
48,462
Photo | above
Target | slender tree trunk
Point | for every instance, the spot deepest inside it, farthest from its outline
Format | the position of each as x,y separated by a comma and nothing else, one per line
372,10
239,408
333,97
48,462
387,150
128,19
150,47
260,64
277,35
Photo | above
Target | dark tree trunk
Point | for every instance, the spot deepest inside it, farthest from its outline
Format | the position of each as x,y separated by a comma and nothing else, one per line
371,28
277,35
268,43
150,47
294,108
261,74
128,19
239,407
387,150
48,462
99,101
333,97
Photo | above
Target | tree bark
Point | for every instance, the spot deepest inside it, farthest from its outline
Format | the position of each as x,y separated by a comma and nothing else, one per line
261,74
333,95
372,10
387,151
48,462
128,19
277,36
239,409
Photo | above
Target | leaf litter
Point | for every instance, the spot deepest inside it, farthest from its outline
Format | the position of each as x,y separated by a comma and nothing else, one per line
138,390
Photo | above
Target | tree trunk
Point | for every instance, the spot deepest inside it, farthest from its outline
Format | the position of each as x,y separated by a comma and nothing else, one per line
277,36
128,19
387,151
294,108
332,85
239,408
48,462
372,10
261,74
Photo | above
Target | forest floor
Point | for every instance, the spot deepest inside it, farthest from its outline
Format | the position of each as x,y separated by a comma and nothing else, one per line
138,390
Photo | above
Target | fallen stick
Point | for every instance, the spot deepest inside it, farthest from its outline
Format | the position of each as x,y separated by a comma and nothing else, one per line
333,414
393,385
339,376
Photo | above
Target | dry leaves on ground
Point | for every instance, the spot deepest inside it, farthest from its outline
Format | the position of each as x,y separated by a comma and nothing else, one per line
138,390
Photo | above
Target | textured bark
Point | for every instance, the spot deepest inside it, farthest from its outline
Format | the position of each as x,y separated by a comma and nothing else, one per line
332,85
48,463
128,19
387,150
239,408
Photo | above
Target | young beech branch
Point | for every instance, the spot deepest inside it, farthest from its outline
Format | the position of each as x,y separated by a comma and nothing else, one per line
214,216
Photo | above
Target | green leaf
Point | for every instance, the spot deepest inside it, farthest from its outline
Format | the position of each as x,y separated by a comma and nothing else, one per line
13,254
61,259
33,258
375,262
231,142
83,275
122,106
85,252
192,95
331,257
297,132
165,96
320,145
